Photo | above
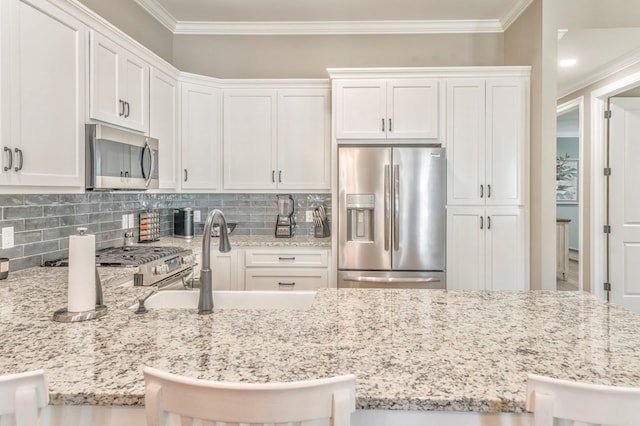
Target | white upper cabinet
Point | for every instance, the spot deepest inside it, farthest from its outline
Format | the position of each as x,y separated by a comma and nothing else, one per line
43,95
119,85
486,134
163,125
277,139
387,108
200,129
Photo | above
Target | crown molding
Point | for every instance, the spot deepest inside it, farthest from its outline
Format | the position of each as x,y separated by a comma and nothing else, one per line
161,14
338,27
606,71
515,12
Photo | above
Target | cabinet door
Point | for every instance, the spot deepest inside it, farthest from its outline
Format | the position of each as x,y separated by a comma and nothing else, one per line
106,102
285,279
163,125
225,271
361,109
412,109
505,141
249,126
465,142
47,94
465,248
200,118
304,139
505,249
135,93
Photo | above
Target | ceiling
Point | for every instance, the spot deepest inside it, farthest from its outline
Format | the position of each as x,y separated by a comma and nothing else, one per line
598,52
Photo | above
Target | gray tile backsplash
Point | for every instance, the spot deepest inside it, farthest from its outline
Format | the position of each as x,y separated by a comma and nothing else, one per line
43,222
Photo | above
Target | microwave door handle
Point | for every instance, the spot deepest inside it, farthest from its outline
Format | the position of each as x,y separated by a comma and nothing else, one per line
147,178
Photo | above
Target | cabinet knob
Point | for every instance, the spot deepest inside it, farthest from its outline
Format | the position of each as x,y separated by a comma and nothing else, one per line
21,160
8,150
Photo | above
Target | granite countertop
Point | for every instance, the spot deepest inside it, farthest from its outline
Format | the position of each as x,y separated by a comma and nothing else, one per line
245,241
410,349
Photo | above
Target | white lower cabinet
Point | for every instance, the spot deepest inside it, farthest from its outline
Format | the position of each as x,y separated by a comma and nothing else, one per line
486,248
227,271
286,268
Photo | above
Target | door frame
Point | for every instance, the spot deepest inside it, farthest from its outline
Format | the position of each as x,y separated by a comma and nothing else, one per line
562,108
599,99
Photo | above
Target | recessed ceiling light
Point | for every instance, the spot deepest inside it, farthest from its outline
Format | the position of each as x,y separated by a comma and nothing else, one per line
568,62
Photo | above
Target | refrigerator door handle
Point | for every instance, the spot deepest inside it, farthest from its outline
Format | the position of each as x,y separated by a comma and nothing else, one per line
360,278
387,206
396,207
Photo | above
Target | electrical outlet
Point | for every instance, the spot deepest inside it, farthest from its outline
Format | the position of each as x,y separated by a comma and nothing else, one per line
309,217
125,221
196,215
7,237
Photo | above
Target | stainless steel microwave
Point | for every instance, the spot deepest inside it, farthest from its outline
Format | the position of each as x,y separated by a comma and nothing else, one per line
118,159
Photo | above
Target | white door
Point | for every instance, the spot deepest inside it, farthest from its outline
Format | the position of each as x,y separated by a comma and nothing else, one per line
200,118
466,142
361,109
504,248
47,87
624,203
249,126
412,109
304,139
163,125
466,248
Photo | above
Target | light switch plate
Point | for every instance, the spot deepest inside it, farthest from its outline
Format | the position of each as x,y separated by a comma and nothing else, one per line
196,215
7,237
309,217
125,221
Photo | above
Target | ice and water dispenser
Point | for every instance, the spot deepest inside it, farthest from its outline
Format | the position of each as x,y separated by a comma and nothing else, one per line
360,217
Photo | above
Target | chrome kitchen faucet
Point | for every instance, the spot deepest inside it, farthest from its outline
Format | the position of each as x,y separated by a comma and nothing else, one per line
205,301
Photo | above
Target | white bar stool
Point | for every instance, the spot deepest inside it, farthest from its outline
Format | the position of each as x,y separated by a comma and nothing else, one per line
250,403
23,394
582,403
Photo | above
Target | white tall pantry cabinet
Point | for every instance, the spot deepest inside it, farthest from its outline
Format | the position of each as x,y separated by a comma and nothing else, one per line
487,128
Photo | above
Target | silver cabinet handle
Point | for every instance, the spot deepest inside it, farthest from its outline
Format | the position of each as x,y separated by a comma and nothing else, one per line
21,158
481,222
128,110
287,258
396,207
7,149
382,124
291,284
279,176
481,191
390,128
186,175
273,176
488,191
488,222
387,206
121,107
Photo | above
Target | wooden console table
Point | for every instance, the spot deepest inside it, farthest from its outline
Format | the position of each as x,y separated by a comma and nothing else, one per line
562,248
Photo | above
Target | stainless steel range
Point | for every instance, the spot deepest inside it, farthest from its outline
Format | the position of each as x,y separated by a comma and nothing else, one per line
156,264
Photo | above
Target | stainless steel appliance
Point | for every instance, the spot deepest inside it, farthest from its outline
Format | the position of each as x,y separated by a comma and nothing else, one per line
156,264
391,217
285,222
183,225
119,159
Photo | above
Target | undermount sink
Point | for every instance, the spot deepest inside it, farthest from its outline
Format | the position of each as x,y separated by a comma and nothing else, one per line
188,299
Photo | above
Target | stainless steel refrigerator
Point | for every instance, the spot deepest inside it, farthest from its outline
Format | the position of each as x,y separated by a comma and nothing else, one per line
391,217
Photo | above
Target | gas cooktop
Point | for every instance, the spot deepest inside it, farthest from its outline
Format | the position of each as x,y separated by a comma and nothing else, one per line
126,256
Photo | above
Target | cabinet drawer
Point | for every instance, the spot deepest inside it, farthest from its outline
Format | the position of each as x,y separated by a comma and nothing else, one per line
290,279
286,258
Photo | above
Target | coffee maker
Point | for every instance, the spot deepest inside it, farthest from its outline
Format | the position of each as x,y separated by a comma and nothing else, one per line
285,222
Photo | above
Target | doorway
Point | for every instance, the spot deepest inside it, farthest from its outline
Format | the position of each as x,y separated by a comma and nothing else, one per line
569,197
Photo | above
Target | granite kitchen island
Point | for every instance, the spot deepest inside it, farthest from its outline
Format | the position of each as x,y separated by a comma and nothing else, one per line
461,356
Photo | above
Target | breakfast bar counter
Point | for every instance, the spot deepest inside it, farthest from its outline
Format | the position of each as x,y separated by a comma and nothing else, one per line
422,350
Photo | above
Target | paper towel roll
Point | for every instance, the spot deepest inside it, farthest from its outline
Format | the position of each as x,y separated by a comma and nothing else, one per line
82,280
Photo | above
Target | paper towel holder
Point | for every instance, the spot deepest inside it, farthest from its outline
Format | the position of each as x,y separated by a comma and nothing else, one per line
63,315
